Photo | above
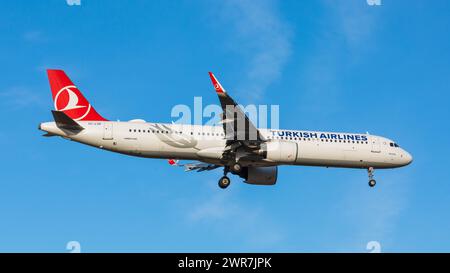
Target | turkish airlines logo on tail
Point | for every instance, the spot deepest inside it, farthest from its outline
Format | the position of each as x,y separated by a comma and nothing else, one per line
68,101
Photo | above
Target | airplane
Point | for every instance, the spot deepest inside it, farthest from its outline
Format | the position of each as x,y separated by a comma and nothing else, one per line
235,144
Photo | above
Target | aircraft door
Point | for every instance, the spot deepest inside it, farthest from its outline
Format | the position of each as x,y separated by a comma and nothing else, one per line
108,131
376,148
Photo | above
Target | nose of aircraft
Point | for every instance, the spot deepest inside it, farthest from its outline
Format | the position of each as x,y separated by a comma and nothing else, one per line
407,158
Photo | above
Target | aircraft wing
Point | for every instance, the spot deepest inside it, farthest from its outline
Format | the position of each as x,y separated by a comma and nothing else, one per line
238,128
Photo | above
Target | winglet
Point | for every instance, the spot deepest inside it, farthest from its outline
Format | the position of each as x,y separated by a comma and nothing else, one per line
216,83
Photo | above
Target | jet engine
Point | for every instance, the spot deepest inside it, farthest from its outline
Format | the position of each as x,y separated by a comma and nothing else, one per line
260,175
280,151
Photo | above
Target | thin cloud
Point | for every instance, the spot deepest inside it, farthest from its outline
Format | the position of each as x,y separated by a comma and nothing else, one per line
215,208
355,20
346,38
33,36
19,97
374,212
222,208
261,37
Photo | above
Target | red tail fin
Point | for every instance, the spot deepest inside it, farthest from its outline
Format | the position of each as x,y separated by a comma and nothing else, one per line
68,98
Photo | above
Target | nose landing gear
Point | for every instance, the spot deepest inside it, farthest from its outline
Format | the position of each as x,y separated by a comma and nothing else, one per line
372,181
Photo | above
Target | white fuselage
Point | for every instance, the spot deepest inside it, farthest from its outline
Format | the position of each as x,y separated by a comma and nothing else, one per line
206,143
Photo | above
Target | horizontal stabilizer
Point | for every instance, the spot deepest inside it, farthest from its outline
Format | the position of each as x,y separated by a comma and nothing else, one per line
199,167
63,121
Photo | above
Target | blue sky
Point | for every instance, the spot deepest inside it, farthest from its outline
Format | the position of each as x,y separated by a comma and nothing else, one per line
330,65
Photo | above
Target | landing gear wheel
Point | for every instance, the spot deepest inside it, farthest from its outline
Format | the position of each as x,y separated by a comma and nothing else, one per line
236,167
372,183
224,182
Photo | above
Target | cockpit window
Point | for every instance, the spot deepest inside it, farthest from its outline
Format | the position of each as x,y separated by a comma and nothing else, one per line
396,145
391,144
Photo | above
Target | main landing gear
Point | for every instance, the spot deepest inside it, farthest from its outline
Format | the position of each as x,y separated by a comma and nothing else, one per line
235,168
372,181
224,181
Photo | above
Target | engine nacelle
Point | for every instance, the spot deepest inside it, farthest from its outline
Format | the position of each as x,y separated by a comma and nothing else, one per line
260,175
280,151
